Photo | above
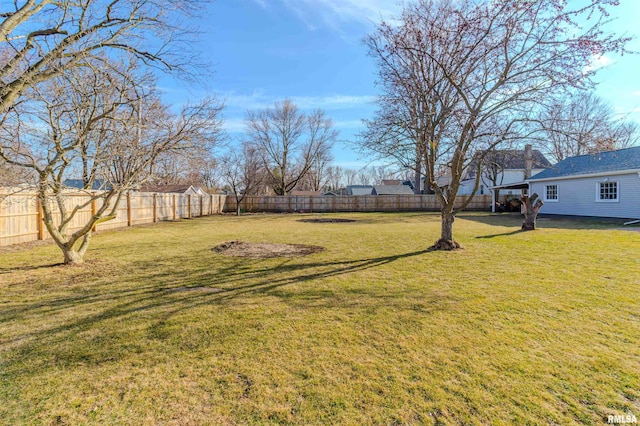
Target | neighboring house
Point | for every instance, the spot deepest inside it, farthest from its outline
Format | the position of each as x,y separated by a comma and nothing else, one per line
606,184
502,168
359,190
398,182
98,184
174,189
392,190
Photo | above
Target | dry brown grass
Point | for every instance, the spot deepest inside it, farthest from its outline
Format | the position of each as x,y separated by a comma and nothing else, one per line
517,328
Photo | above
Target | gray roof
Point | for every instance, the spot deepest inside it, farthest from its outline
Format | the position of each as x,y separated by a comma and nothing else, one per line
511,159
359,189
392,190
96,185
602,162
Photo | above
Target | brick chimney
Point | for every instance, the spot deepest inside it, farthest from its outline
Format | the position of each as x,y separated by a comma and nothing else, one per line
528,161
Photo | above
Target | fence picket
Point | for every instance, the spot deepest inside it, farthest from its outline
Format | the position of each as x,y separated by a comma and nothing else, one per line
349,203
21,213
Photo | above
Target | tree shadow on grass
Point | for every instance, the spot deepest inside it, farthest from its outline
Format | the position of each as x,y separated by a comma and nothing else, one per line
156,300
28,268
546,221
504,234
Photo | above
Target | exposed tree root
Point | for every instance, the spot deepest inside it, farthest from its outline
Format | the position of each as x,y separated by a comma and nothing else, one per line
447,245
528,226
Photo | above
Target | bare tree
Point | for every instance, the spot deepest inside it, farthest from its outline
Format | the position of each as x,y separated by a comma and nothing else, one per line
12,177
196,166
365,177
451,70
102,126
242,171
583,124
318,176
335,177
40,39
350,176
289,142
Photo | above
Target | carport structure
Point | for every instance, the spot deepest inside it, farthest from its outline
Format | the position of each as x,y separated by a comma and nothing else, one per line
495,191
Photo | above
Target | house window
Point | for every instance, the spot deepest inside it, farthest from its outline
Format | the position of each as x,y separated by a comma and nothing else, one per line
607,191
551,193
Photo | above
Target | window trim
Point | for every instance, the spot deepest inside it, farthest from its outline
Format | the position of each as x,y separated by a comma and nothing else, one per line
551,200
599,190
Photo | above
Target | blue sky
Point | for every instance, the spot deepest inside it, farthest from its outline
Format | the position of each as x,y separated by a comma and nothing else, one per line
310,51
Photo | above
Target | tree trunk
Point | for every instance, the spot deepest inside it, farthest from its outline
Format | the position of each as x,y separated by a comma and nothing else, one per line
239,203
446,241
72,257
417,178
531,209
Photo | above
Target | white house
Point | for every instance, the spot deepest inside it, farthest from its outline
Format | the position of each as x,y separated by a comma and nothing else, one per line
606,184
501,168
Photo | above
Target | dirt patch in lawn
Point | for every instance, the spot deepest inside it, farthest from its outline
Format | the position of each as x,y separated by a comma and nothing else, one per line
265,250
327,220
14,248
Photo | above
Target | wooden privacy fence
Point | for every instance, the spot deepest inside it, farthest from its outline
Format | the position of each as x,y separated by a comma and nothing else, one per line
349,203
21,215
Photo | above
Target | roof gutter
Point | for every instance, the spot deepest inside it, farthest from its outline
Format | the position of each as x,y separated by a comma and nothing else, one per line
587,175
515,185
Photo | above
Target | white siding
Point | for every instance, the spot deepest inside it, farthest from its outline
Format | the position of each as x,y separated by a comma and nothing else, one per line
505,178
578,197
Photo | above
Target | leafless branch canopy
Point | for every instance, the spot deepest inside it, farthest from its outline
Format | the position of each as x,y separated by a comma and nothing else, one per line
289,142
39,39
582,124
104,127
458,74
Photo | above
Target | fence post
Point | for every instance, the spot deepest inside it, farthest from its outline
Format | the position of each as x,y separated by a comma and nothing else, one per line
155,203
175,207
94,209
40,226
129,218
201,206
188,206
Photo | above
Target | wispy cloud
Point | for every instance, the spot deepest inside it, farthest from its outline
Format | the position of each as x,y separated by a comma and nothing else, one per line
262,3
598,62
235,125
346,11
236,106
258,100
348,124
331,102
337,14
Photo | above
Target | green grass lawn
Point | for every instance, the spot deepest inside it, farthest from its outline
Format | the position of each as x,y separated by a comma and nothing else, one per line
517,328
